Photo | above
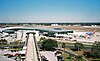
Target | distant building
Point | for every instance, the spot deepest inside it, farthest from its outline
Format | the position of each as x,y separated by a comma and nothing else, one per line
54,24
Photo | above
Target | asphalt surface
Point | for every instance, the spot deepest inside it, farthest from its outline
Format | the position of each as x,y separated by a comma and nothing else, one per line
49,55
2,58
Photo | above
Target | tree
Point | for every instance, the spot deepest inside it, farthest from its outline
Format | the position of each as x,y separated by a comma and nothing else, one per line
17,42
78,46
59,44
79,58
3,41
95,50
42,38
64,46
49,44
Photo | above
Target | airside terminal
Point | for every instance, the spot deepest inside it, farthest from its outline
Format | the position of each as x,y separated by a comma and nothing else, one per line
19,33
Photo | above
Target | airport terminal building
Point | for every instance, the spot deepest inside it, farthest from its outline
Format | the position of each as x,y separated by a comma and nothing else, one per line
51,32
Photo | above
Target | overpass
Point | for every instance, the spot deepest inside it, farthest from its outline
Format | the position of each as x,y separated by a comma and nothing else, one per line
32,53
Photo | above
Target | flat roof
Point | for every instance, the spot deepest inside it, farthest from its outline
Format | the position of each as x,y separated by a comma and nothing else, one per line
53,30
35,28
8,31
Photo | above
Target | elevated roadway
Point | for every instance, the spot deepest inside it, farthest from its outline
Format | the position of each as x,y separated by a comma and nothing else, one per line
32,53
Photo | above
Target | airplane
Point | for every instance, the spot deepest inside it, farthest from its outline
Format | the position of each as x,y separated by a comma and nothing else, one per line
91,33
83,33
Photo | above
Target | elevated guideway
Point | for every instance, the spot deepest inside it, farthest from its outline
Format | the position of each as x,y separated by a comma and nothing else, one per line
32,53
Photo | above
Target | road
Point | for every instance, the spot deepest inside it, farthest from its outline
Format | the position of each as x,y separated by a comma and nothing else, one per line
72,53
49,55
69,52
31,54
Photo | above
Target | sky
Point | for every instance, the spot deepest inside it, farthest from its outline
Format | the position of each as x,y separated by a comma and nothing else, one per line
49,11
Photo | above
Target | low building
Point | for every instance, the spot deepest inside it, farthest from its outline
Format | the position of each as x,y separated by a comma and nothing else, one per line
55,32
51,32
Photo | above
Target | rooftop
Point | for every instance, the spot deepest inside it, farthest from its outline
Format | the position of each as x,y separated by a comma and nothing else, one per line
36,28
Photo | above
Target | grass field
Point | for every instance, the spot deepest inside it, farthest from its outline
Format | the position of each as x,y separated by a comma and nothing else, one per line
68,59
